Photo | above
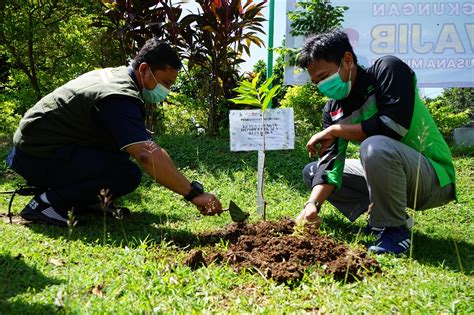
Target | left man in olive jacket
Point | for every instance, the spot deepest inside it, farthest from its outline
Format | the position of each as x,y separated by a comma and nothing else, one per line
77,140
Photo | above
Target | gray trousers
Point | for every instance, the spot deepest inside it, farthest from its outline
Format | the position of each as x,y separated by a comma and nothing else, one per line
385,180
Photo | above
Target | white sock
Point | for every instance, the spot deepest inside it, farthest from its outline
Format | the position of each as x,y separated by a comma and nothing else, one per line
44,198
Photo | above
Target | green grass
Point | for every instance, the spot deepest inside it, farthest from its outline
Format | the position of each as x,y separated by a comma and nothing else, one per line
146,274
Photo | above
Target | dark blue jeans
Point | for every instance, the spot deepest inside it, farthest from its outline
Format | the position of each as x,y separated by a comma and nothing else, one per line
74,176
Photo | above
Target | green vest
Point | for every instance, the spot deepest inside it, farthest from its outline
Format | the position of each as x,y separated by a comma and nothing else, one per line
66,115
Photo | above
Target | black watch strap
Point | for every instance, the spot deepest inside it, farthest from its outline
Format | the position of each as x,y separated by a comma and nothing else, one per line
196,189
316,204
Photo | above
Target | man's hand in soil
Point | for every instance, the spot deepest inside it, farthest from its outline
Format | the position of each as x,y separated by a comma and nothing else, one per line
207,204
309,214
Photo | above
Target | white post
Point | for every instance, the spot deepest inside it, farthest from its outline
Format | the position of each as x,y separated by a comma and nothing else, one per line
260,170
260,200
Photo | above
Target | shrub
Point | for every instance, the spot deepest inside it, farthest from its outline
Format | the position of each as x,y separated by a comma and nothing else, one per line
308,106
182,114
9,119
444,116
460,98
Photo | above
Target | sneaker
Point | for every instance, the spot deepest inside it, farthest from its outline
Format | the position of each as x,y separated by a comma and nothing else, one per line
372,230
41,212
395,240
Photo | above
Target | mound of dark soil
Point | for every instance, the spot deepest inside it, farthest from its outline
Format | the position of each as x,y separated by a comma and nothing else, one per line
275,251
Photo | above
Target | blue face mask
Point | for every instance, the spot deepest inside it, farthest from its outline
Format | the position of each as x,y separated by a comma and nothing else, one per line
333,86
157,95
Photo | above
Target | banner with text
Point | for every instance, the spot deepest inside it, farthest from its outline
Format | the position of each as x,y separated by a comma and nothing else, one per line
435,38
246,129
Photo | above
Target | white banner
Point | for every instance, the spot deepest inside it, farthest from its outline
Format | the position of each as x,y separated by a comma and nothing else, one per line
246,129
435,38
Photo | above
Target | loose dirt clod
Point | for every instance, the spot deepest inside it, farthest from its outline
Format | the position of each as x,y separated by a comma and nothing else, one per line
273,250
195,259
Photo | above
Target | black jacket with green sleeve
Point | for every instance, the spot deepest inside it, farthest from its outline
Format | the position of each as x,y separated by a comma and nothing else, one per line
385,101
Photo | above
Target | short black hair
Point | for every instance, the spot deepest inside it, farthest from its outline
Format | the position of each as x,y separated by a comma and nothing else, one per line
329,46
158,55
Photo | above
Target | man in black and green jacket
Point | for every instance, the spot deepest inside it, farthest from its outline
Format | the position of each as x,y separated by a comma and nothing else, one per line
76,141
404,160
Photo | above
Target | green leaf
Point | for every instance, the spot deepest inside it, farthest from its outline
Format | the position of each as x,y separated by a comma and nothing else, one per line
266,84
246,84
245,91
245,100
269,97
255,80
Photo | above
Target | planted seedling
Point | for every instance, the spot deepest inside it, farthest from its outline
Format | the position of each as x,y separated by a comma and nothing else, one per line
260,96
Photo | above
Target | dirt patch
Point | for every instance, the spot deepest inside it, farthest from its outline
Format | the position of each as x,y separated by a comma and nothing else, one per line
274,250
15,219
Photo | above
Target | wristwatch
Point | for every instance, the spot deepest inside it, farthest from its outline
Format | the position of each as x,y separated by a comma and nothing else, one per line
196,189
316,204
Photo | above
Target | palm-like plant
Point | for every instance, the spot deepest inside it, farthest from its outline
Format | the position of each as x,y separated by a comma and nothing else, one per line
215,38
134,21
224,30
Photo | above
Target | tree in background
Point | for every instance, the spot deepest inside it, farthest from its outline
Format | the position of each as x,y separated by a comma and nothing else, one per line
311,17
45,44
224,30
47,41
445,117
214,39
308,104
460,99
185,110
3,71
315,16
452,109
132,23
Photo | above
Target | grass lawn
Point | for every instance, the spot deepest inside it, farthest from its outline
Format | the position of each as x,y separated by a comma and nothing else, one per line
135,268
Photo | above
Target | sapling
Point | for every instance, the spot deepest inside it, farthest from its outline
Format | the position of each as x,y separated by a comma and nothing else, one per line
105,200
71,223
259,96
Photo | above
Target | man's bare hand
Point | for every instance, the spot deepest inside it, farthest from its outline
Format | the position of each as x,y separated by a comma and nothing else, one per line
207,204
309,214
320,142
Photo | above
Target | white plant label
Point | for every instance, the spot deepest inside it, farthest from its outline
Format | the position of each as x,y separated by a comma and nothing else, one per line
246,129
